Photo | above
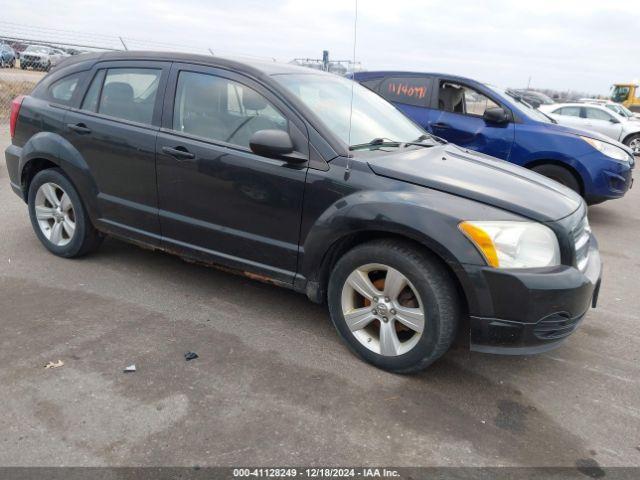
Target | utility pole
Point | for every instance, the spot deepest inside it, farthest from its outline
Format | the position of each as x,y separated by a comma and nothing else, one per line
529,82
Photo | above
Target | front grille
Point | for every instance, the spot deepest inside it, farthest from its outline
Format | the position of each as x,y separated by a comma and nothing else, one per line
558,325
581,237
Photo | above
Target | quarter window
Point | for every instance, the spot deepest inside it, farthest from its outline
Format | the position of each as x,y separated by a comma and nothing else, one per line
62,90
127,93
407,90
457,98
223,110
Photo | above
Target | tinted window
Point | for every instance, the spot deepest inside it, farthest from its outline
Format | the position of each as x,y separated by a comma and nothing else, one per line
62,90
597,114
408,90
130,93
223,110
568,111
457,98
90,101
372,84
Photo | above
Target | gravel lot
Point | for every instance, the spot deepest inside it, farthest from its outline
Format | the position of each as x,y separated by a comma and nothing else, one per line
273,384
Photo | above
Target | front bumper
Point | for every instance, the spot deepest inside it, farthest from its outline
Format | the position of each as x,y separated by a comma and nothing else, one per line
532,310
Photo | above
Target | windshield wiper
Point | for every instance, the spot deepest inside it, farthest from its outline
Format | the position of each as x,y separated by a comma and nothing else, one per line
376,142
429,136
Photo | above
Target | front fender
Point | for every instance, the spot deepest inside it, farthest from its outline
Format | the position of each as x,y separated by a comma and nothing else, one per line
59,151
428,217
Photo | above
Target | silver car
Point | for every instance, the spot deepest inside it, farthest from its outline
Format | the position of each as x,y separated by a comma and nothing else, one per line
40,57
598,118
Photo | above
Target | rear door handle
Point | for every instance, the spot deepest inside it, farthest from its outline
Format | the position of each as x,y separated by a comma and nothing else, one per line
181,153
80,128
440,125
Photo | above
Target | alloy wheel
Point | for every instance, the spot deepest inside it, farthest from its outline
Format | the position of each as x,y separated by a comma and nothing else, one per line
382,309
635,145
55,214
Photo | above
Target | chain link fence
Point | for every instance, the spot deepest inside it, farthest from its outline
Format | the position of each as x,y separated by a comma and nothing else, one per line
27,52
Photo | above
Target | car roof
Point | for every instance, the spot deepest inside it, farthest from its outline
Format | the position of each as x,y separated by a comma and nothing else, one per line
381,73
250,66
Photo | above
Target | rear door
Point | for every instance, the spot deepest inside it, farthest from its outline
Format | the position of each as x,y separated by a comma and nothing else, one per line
218,200
115,130
457,117
411,94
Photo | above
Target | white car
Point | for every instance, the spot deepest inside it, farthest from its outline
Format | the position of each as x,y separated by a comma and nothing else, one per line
598,118
40,57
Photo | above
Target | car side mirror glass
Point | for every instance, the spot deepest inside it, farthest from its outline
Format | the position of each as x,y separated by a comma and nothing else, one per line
271,143
495,115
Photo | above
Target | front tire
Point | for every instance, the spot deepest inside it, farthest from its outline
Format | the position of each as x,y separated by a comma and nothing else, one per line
633,142
59,217
394,305
560,175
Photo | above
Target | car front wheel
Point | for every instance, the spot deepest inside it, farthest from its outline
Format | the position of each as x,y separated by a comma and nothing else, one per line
394,304
58,216
633,142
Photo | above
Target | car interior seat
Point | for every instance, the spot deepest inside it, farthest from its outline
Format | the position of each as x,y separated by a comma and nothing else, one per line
450,98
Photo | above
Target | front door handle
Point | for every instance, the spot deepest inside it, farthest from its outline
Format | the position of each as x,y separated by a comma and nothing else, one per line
80,128
441,125
181,153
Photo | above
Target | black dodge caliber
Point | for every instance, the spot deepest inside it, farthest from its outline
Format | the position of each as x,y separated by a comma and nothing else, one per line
312,182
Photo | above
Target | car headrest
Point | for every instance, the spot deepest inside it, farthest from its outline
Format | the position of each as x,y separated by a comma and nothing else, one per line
118,92
252,100
450,97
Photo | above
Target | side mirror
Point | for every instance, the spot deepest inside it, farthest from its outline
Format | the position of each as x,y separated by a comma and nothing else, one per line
614,120
535,103
273,144
495,115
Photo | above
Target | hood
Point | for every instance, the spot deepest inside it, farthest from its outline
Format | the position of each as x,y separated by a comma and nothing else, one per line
557,127
479,177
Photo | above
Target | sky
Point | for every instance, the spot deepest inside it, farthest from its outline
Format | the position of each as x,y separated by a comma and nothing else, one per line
582,45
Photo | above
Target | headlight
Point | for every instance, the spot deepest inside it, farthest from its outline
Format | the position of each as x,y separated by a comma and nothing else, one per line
505,244
607,149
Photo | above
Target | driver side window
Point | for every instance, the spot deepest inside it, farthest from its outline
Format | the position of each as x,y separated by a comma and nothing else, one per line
458,98
597,114
223,110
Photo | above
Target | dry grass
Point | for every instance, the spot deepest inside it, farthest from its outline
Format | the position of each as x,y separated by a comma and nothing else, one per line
10,89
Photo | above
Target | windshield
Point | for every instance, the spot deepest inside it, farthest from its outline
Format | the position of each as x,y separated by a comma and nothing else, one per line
618,109
619,93
329,97
37,49
522,106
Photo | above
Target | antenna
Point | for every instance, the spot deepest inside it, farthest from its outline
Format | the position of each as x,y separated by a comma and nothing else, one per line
355,37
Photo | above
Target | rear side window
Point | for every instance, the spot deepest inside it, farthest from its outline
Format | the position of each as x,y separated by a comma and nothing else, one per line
92,96
223,110
407,90
61,91
569,111
126,93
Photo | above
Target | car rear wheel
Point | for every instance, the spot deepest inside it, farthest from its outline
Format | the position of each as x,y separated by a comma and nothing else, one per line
559,174
58,216
633,142
394,305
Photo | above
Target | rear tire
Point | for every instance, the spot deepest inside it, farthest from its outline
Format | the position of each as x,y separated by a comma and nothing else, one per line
560,175
59,217
404,283
633,142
